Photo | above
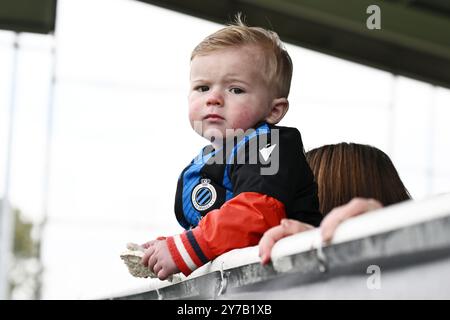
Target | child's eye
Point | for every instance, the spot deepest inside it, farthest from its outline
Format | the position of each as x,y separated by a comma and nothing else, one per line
201,88
236,90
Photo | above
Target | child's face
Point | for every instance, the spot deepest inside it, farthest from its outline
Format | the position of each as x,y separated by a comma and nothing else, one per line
228,91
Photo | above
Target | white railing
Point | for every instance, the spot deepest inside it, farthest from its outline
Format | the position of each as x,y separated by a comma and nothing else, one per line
411,228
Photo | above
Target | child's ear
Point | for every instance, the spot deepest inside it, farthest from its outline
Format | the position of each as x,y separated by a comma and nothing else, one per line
278,109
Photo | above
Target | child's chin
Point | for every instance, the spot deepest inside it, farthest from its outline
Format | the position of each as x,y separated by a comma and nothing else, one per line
213,134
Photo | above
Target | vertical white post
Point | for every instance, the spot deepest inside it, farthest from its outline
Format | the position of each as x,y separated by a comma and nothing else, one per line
6,218
391,116
430,142
47,166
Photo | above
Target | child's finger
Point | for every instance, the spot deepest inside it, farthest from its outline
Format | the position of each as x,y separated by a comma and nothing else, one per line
147,254
148,244
152,262
157,268
163,274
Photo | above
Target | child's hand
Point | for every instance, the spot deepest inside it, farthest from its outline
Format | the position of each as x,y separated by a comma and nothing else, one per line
148,252
148,244
158,259
286,228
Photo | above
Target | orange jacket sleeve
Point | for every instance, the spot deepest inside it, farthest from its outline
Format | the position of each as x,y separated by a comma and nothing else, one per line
239,223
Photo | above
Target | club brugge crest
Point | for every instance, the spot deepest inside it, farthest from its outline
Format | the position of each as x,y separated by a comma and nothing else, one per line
204,195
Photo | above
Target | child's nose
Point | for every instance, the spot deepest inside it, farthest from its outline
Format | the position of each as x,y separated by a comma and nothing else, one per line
214,99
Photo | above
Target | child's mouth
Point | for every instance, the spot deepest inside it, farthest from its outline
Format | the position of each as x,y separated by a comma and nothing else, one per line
213,117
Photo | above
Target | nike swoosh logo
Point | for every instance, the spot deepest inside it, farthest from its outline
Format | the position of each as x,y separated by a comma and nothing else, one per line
266,151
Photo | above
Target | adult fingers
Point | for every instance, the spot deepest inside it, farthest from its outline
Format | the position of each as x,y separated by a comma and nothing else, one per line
286,228
373,204
358,206
265,248
267,241
329,225
353,208
293,226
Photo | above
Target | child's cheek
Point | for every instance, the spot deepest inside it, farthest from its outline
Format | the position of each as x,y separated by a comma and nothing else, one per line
244,120
194,111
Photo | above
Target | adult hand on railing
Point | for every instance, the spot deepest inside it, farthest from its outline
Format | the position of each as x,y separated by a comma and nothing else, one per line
339,214
286,228
328,226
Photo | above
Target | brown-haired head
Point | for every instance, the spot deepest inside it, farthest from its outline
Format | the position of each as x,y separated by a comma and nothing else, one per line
278,71
347,170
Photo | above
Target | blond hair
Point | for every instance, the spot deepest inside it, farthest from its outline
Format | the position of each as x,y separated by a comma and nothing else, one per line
278,62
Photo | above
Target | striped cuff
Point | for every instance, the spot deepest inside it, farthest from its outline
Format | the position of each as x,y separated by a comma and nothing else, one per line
189,251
